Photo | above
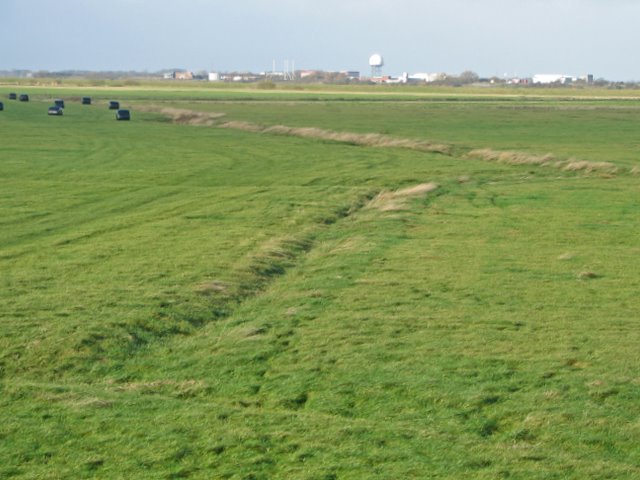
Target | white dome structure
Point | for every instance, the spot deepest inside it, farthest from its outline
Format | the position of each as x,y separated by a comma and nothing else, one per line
376,60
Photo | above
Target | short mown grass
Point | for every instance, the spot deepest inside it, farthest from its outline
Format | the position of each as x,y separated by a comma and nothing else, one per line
186,301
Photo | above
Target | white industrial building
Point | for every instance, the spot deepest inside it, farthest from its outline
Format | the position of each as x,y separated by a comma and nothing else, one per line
427,77
546,78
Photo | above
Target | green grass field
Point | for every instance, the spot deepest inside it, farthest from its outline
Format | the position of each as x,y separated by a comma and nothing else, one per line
189,301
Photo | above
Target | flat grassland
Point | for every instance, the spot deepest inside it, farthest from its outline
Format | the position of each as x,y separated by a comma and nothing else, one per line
320,284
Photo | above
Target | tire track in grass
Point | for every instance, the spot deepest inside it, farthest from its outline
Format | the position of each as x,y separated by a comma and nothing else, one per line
249,278
213,299
281,337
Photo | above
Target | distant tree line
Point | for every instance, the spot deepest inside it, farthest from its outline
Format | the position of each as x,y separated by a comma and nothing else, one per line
131,77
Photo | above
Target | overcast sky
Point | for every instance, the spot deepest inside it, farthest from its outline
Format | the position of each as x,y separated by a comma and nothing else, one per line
491,37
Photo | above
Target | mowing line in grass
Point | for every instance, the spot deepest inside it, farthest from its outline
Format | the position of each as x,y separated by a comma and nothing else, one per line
376,140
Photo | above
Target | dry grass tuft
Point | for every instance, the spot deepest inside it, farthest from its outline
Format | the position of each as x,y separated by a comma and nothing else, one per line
245,126
635,170
587,275
394,201
417,190
374,140
386,203
511,158
212,287
583,165
551,394
186,117
567,256
160,385
548,160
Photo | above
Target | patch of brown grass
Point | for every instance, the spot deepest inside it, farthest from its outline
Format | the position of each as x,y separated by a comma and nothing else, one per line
573,165
159,385
386,203
186,117
588,275
511,158
73,399
374,140
92,402
245,126
417,190
212,287
548,160
394,201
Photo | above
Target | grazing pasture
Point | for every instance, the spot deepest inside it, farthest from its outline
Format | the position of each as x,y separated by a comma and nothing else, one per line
319,285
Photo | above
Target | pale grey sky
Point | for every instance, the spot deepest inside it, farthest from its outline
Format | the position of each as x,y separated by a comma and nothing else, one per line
491,37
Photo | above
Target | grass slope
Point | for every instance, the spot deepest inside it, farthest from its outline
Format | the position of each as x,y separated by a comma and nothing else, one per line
193,302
